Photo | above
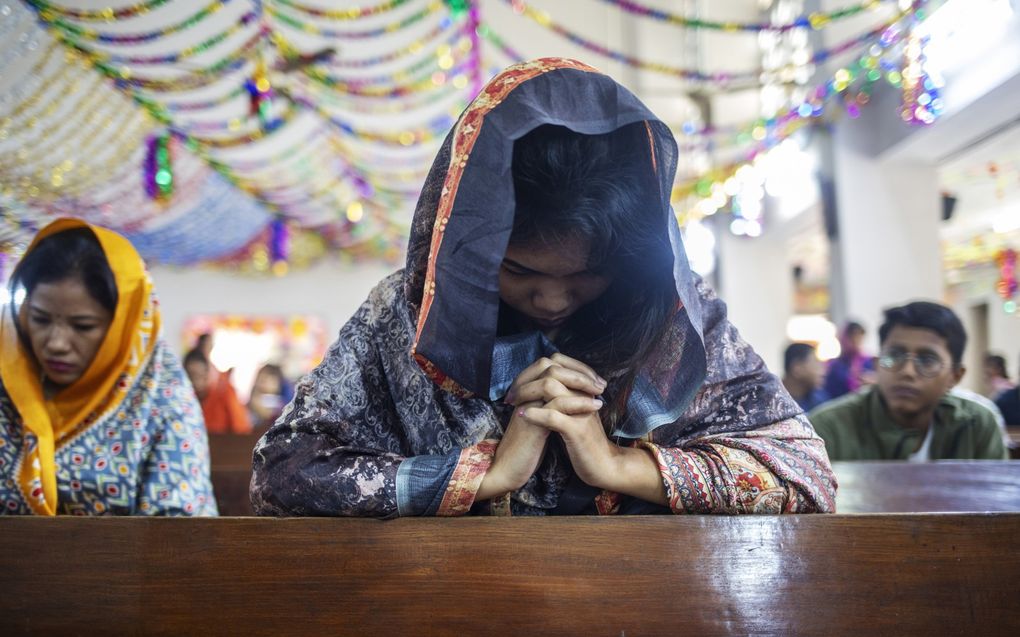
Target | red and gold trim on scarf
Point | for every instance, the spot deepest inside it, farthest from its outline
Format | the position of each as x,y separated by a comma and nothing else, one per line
464,138
467,478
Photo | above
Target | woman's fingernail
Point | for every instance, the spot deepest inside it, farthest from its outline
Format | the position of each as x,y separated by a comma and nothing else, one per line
520,412
598,403
601,382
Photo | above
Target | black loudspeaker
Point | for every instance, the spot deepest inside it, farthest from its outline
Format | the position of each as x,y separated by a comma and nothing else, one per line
948,206
827,190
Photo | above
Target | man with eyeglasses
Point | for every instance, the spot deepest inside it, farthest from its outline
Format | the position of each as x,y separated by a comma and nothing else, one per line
910,414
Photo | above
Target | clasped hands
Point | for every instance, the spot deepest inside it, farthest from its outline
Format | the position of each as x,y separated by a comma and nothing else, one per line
556,394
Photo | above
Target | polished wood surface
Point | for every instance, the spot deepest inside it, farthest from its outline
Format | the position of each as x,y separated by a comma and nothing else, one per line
947,485
864,487
691,575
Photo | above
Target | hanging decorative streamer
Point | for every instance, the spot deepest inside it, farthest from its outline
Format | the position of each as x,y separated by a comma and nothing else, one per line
50,11
88,33
193,79
816,20
486,32
727,80
170,238
922,101
353,13
712,189
473,22
314,29
106,57
260,92
159,177
1006,287
414,47
279,241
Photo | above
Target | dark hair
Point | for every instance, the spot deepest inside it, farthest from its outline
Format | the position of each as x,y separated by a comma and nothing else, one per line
74,253
273,370
999,363
852,327
195,356
930,316
795,353
601,188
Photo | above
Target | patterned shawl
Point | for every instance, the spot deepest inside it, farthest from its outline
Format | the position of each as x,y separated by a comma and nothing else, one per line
401,417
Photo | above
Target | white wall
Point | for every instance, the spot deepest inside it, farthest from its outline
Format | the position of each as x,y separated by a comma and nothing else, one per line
756,282
1002,330
329,290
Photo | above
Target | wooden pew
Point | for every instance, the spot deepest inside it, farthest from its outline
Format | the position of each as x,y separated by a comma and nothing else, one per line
659,575
1014,442
864,487
230,456
232,450
946,485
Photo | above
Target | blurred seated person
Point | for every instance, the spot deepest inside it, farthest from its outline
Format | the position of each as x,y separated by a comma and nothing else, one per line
1008,403
269,394
96,417
803,375
910,413
852,369
220,405
996,377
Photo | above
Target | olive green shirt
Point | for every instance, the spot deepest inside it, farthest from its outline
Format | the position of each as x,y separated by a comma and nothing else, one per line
858,427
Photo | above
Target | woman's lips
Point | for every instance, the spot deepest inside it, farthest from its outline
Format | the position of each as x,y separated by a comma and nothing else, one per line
60,367
549,322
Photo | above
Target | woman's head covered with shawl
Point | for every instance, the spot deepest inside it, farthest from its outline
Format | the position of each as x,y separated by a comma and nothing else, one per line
55,411
466,216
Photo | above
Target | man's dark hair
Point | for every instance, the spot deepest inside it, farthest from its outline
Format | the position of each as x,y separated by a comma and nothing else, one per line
999,363
930,316
795,353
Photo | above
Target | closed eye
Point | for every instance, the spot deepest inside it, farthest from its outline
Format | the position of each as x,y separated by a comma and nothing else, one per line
516,271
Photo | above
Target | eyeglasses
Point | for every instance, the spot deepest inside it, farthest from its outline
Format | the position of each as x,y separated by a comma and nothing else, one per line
927,365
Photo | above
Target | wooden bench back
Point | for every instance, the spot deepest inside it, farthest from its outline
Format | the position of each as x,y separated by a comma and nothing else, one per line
697,575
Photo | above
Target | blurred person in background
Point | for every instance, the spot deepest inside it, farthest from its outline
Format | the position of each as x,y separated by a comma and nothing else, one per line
803,375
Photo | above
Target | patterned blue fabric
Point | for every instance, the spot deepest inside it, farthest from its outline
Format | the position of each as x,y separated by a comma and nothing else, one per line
421,483
150,456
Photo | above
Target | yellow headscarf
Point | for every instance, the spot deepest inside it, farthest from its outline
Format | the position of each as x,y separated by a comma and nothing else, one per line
103,386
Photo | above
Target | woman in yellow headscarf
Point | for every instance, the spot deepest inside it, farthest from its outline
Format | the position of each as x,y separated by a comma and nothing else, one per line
96,415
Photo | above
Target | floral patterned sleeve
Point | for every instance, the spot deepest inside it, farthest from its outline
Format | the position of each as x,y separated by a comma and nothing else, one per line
781,468
175,476
757,452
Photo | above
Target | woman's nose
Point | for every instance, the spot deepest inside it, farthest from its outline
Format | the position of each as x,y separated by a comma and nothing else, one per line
552,299
58,339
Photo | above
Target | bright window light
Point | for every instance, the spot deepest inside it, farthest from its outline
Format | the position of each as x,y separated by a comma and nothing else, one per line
961,31
815,329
